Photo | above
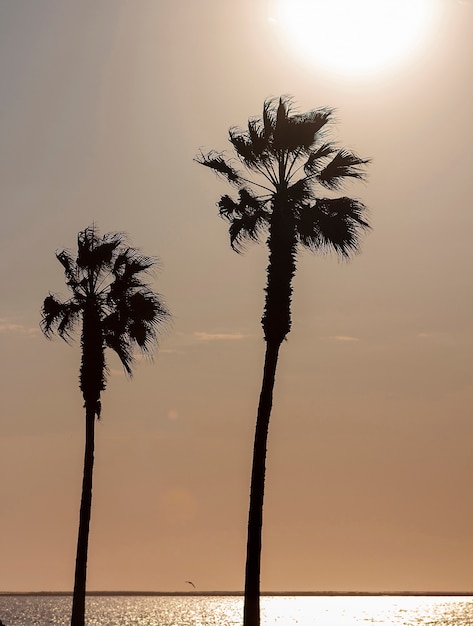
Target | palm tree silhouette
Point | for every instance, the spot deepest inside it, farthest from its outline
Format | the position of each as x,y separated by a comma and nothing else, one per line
286,158
118,310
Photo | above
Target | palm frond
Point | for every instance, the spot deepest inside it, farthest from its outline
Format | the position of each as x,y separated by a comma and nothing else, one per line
317,157
299,131
345,164
281,131
69,322
122,347
87,240
51,314
248,202
216,162
147,306
299,192
248,217
139,264
250,146
130,261
115,334
135,322
257,136
129,273
70,268
304,129
243,145
227,207
268,118
59,317
94,252
333,224
315,119
247,228
143,333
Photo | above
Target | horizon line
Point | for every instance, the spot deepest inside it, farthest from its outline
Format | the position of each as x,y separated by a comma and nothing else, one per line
241,593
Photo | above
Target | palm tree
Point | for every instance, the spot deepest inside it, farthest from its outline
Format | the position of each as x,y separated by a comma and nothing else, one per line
286,158
118,310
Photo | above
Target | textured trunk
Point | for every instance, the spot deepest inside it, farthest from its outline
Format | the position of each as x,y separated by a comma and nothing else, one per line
78,601
251,611
91,384
282,245
276,323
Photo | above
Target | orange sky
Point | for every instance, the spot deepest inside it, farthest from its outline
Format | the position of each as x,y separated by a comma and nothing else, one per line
104,105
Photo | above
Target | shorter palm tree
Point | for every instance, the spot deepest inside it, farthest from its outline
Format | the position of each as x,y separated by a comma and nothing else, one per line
118,310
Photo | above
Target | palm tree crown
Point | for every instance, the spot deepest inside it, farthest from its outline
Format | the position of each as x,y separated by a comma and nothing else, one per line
117,306
288,158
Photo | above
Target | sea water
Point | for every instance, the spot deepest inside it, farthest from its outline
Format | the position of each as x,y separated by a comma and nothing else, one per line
227,611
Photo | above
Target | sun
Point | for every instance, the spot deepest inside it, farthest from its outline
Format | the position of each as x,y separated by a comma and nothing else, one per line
356,36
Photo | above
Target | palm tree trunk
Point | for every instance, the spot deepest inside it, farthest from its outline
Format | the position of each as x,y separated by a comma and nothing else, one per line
78,601
251,610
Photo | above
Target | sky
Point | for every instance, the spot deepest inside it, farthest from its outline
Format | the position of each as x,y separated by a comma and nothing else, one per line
104,106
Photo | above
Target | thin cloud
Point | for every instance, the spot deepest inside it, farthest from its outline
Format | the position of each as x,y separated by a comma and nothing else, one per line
344,338
201,336
8,327
436,334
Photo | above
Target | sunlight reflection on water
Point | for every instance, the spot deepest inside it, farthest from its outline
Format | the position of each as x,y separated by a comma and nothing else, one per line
350,611
227,611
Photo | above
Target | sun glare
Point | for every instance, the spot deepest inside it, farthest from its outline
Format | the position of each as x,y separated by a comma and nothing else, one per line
356,36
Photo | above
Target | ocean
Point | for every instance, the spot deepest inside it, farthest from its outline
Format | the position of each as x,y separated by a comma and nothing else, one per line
23,610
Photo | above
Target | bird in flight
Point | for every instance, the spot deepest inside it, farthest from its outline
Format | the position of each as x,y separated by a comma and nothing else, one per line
189,582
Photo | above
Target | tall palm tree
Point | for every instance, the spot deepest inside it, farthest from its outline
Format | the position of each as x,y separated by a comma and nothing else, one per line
118,310
287,159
